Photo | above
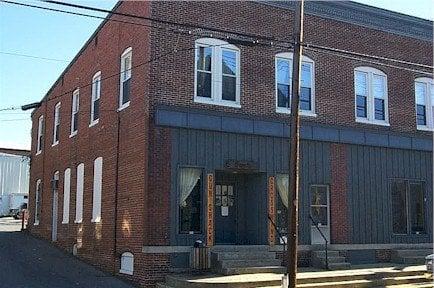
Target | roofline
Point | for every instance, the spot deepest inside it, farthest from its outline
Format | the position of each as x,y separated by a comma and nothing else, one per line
115,7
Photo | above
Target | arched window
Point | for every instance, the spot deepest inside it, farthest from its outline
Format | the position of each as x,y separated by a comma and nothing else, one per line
79,194
217,73
127,263
424,94
283,78
38,198
97,189
371,101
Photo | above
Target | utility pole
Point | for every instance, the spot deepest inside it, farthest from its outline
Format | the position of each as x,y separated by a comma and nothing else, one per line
294,157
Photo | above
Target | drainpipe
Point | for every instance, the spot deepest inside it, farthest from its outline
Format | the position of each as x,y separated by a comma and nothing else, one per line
116,194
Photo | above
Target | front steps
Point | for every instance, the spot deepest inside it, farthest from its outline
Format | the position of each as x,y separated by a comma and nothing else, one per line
335,260
393,276
235,260
411,256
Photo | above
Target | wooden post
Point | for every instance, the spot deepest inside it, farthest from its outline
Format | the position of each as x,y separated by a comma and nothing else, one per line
294,156
210,210
271,211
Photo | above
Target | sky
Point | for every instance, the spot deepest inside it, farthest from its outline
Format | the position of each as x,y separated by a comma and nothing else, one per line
58,37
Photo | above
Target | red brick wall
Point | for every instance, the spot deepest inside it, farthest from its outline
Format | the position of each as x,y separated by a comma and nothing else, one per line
340,227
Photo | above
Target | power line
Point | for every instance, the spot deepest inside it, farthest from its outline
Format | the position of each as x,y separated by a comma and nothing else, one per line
10,108
32,56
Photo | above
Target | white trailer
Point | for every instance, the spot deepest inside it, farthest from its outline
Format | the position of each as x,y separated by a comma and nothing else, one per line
14,182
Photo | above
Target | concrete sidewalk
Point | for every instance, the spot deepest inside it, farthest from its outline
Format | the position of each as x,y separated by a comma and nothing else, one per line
27,262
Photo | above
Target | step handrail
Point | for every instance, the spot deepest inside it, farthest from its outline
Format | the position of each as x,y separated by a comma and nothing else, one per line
278,233
324,237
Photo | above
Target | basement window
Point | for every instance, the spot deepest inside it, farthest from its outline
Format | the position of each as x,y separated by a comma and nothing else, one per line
127,263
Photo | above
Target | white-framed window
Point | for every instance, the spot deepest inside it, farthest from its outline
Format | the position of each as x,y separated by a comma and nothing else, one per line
97,190
56,125
127,263
74,111
125,78
79,194
371,101
40,138
38,198
217,73
283,76
96,93
424,94
66,195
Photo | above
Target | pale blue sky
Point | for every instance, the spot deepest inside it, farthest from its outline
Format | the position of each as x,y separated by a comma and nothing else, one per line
59,36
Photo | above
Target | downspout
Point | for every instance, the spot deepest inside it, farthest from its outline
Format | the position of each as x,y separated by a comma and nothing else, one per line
116,194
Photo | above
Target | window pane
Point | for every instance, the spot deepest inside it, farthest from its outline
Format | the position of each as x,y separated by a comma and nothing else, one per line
379,109
75,122
421,114
378,86
361,83
282,95
96,109
319,214
305,100
190,213
126,91
319,195
306,77
281,217
229,62
420,90
417,208
361,106
282,73
204,84
204,56
229,87
399,207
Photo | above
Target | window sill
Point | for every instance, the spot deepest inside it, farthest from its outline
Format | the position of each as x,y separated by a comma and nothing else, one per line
65,222
97,220
54,144
126,272
210,101
302,112
125,105
78,222
365,121
93,123
73,134
38,153
36,223
425,128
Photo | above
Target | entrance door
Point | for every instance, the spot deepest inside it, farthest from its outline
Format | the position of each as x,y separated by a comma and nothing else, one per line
54,216
320,212
225,214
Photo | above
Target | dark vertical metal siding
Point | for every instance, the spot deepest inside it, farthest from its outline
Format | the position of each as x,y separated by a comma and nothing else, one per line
210,150
370,170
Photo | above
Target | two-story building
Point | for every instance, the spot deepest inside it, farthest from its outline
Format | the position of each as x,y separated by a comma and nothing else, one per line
160,133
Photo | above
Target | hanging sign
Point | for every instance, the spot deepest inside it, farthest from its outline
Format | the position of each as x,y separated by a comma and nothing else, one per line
210,210
271,211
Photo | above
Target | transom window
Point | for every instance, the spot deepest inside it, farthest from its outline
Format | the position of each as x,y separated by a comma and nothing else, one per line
125,78
284,84
96,93
371,103
424,93
74,112
56,126
217,73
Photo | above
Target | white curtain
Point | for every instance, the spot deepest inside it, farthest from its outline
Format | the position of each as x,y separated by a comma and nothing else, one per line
282,183
187,180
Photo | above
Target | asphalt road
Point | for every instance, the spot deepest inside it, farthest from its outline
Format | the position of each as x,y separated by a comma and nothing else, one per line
27,262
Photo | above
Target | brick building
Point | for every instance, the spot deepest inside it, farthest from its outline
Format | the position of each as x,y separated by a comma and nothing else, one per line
158,135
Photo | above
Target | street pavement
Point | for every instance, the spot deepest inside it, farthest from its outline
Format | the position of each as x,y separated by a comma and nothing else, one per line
27,262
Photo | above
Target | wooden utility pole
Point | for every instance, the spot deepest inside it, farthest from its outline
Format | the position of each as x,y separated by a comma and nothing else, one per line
294,156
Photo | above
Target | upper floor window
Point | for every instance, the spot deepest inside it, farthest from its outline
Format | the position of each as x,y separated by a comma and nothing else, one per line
125,86
74,111
96,92
371,104
424,93
40,138
217,73
284,84
56,126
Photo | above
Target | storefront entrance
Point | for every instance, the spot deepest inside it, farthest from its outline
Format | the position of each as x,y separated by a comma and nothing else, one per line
240,208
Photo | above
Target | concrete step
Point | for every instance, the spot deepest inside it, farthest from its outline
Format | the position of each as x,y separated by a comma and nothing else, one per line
243,255
339,266
253,270
414,252
367,283
179,282
249,263
321,253
240,248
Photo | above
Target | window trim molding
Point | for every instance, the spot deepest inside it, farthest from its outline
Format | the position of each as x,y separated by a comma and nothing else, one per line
428,103
56,121
370,109
290,56
95,78
127,52
76,93
217,45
